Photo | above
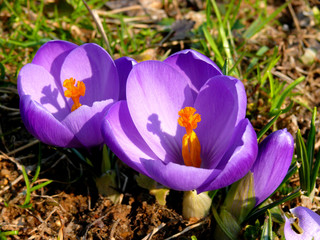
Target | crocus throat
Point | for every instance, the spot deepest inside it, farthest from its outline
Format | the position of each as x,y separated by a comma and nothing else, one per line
74,92
191,148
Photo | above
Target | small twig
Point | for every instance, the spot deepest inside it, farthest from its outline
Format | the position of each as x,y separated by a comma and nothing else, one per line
97,20
23,147
2,139
296,23
14,182
186,230
5,156
120,10
290,80
52,198
9,109
295,19
113,229
8,90
154,231
84,237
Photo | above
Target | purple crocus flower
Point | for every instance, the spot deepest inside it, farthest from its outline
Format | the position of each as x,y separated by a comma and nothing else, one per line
308,222
66,91
272,164
183,124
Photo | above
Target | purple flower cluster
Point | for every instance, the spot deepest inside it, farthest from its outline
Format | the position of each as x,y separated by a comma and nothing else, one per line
45,108
180,121
308,223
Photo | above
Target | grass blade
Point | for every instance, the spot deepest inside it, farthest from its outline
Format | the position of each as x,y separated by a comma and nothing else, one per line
213,46
28,192
41,185
222,32
259,211
266,127
278,101
304,171
225,68
257,25
37,172
315,171
226,16
271,83
312,137
267,228
274,60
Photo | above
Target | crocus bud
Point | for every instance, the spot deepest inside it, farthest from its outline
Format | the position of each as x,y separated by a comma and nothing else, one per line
195,205
241,198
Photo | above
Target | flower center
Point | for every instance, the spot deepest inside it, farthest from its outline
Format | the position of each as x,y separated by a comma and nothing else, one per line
74,92
191,148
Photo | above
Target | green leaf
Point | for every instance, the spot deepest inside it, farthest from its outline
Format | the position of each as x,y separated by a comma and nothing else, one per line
160,195
259,24
107,186
37,172
274,60
41,185
259,211
271,83
2,72
106,163
266,127
240,199
276,212
267,228
234,67
146,182
28,192
227,224
213,46
7,233
292,169
252,231
315,170
278,101
222,33
150,184
254,60
312,137
225,68
229,10
304,170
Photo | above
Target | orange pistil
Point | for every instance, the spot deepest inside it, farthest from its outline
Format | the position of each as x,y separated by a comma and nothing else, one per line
191,148
74,92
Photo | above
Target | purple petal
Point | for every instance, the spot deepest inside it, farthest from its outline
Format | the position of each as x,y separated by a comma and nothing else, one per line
221,103
155,94
85,122
195,67
41,124
124,66
238,159
272,164
91,64
309,221
176,176
122,137
51,56
37,82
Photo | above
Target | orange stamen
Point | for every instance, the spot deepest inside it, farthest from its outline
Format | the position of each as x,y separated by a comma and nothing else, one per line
191,148
74,92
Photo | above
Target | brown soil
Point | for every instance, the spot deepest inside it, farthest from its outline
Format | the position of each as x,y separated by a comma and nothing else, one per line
71,207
